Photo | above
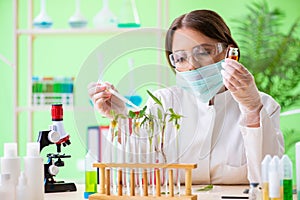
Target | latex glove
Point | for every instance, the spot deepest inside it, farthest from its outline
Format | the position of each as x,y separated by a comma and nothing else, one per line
240,82
103,100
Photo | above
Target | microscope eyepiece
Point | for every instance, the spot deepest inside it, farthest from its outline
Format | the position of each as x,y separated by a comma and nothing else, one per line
57,112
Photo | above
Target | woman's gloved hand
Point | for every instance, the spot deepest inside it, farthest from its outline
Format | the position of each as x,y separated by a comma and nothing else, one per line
240,82
103,100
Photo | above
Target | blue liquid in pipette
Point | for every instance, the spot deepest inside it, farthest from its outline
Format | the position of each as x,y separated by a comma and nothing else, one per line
135,99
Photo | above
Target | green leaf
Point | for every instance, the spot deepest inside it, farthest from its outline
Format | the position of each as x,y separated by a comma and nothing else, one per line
159,114
174,116
270,54
121,116
131,114
112,113
205,188
142,112
154,98
144,120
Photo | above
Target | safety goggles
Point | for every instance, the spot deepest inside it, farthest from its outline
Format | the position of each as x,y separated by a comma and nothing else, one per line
203,54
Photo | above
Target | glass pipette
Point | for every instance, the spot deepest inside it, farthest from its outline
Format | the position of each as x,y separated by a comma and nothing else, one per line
118,95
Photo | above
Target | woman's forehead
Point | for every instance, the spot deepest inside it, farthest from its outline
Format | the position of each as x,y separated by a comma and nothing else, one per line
186,39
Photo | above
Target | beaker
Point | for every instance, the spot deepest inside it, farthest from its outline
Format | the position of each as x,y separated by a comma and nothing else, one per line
128,17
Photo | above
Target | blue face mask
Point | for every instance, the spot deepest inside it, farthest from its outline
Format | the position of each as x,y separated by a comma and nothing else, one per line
204,82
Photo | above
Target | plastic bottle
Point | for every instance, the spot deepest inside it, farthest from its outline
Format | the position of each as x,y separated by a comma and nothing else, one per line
287,177
265,177
11,163
254,192
7,188
274,179
34,171
90,175
22,189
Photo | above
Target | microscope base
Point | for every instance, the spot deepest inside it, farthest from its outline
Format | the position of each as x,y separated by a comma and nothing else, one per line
60,187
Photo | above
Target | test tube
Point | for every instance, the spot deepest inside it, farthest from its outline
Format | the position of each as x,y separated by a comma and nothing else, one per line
177,160
127,155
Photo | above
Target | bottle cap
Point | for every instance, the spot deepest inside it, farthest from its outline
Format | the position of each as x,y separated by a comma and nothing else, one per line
286,167
254,184
10,150
234,48
33,149
274,164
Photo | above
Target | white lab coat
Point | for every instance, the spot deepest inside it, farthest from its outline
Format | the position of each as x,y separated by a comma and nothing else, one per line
212,136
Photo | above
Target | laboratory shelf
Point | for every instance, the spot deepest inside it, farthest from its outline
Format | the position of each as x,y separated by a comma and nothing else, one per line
31,33
48,108
84,31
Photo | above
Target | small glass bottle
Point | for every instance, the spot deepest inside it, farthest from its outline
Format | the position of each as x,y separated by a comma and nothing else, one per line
254,192
233,53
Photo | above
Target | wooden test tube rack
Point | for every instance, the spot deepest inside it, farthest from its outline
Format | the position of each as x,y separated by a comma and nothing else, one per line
104,193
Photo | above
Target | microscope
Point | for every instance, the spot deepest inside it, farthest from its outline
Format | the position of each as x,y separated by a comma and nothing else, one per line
58,136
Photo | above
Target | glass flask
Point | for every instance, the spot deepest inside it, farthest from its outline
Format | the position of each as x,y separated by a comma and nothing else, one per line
105,18
77,20
42,20
128,17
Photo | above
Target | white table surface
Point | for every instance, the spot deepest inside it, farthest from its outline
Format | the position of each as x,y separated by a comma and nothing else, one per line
215,193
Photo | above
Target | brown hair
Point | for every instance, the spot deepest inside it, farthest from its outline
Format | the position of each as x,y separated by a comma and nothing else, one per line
207,22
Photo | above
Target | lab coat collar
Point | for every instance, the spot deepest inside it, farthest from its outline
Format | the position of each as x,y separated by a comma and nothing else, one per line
221,99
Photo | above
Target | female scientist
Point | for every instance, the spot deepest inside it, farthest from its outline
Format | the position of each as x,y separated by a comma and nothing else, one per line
228,125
